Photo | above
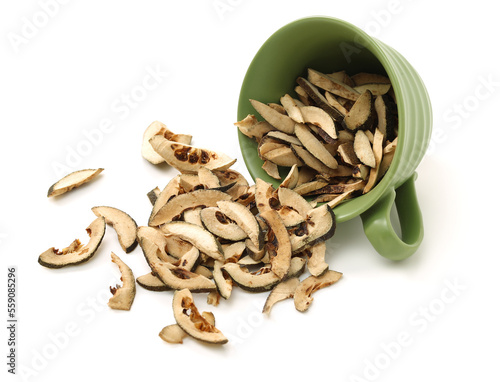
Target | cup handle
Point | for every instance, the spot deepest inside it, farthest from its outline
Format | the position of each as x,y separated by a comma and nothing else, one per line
378,227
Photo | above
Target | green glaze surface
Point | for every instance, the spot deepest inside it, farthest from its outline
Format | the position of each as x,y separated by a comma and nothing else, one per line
328,44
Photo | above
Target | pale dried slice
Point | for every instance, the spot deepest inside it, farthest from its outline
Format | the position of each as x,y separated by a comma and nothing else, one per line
320,226
207,178
292,199
340,188
318,117
375,89
234,251
189,260
171,190
314,146
291,108
291,179
278,243
252,128
162,242
175,335
188,159
319,99
176,205
123,296
346,152
283,156
193,216
386,115
378,141
214,220
363,149
192,322
341,76
279,108
304,98
159,128
274,118
271,169
283,138
337,199
197,236
268,143
224,284
172,276
263,279
75,253
152,283
362,115
306,174
391,147
264,191
282,291
73,180
361,171
306,188
332,100
385,164
123,224
363,78
230,176
245,219
303,294
316,264
256,254
310,160
332,85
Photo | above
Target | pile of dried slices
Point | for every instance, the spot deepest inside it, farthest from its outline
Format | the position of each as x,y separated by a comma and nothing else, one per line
210,230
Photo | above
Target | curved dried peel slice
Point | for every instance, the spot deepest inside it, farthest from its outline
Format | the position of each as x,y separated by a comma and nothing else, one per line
245,219
310,160
174,334
316,264
363,149
271,169
220,225
319,99
362,78
292,108
292,178
282,291
188,159
124,225
224,285
171,190
123,296
252,128
230,176
318,117
207,178
375,89
320,226
172,276
303,294
332,85
159,128
150,282
362,114
282,156
292,199
274,118
75,253
192,322
176,205
314,146
233,252
196,235
73,180
160,240
278,243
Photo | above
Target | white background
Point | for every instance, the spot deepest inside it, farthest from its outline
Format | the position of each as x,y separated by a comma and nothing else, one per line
431,317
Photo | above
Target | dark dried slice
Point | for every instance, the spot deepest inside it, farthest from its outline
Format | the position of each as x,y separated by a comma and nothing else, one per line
320,227
332,85
192,322
274,118
176,205
197,236
340,188
387,116
152,283
159,128
278,243
220,225
75,253
318,117
303,294
124,225
188,159
172,276
346,152
282,291
123,296
245,219
319,99
73,180
363,149
362,115
153,195
314,146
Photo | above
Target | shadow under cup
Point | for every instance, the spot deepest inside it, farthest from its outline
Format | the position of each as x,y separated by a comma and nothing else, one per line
328,45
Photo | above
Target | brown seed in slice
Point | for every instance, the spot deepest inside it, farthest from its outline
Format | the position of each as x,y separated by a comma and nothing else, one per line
303,294
123,296
73,180
192,322
159,128
75,253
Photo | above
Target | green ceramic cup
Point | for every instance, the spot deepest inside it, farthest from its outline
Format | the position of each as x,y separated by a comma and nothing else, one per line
328,44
